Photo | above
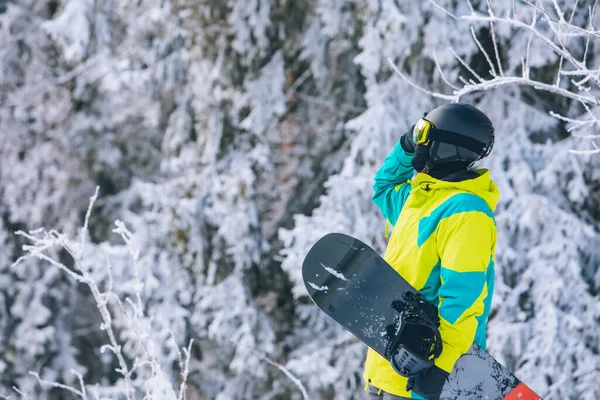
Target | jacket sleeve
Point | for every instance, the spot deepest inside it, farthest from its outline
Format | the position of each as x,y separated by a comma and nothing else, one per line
466,245
390,189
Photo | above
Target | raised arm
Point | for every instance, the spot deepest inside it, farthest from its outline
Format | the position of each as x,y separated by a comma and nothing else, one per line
390,189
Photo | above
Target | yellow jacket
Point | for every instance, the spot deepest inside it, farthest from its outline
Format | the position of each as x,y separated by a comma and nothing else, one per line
443,243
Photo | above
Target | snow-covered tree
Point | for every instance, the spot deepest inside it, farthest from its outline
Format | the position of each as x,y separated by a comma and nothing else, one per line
548,263
228,136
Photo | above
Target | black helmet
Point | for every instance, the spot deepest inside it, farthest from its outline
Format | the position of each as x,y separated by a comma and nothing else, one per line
469,135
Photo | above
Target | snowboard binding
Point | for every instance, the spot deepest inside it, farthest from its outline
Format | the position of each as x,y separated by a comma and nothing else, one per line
414,340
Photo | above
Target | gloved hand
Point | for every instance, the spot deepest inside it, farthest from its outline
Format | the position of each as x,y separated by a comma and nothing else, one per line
421,157
430,383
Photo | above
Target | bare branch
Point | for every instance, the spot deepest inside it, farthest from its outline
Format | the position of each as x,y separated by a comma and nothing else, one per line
283,369
185,372
560,63
529,39
577,124
464,64
495,43
433,94
471,6
506,81
58,386
439,68
587,42
567,55
52,239
487,57
23,395
559,12
464,81
580,73
586,152
84,230
81,383
445,10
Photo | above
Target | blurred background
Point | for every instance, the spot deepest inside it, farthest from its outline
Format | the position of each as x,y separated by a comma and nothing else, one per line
229,135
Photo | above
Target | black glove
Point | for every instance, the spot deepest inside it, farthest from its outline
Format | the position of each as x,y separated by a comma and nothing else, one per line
429,383
407,141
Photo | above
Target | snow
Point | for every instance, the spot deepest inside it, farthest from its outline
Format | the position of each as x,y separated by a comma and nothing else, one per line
323,288
229,136
333,272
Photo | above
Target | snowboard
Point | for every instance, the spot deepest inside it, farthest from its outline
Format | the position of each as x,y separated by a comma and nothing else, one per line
352,284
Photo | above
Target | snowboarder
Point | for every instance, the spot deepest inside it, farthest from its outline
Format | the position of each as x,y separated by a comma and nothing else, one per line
443,241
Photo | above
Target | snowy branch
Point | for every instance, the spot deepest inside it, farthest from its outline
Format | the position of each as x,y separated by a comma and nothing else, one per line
44,241
568,65
81,393
286,371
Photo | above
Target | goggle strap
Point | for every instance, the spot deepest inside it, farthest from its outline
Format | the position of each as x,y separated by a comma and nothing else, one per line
440,135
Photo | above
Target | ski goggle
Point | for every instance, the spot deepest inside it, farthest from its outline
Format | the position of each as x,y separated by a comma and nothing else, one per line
421,131
424,131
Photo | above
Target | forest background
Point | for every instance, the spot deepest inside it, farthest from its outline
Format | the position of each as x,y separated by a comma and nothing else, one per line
226,137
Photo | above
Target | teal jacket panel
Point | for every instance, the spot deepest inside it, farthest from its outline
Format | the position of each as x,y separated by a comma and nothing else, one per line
390,190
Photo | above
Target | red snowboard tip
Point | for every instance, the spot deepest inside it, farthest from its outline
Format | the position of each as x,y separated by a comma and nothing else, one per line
522,392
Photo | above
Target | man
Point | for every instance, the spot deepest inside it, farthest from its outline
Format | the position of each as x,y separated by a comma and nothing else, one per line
444,237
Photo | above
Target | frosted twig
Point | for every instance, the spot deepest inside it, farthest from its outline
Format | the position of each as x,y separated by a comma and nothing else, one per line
589,111
471,6
579,73
445,10
580,32
559,12
36,252
579,84
500,82
464,64
553,27
529,39
586,152
439,68
592,11
138,312
429,92
84,230
561,51
481,48
495,43
122,231
519,24
286,371
81,383
51,239
23,395
560,63
59,386
185,371
142,338
577,124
